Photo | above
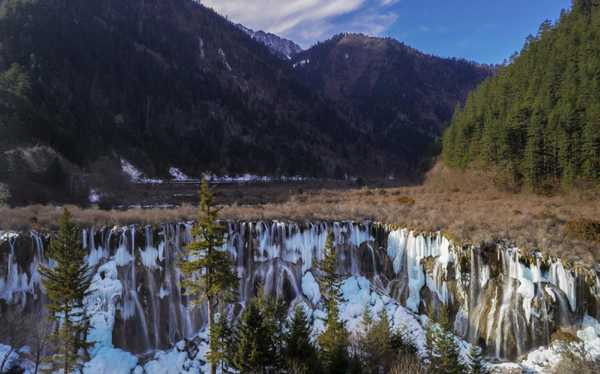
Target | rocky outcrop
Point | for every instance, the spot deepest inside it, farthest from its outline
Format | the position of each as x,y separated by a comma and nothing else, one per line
277,45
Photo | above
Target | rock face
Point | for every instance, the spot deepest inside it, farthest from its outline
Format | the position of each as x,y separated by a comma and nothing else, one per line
277,45
508,302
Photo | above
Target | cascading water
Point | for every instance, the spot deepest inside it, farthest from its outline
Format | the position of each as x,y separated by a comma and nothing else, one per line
505,301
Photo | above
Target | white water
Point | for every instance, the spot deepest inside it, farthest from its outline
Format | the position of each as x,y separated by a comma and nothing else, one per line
148,302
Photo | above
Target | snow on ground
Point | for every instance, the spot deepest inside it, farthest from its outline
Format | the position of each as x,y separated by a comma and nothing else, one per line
179,176
357,292
543,359
12,359
135,174
94,196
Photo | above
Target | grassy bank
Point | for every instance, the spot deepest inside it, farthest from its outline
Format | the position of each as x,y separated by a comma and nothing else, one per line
525,220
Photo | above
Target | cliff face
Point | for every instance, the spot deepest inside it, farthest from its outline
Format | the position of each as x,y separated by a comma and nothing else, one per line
508,302
276,44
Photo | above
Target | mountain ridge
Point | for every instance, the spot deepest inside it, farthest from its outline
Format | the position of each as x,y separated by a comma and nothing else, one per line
183,87
275,43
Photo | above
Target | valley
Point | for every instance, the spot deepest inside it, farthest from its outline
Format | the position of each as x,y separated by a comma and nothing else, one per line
182,194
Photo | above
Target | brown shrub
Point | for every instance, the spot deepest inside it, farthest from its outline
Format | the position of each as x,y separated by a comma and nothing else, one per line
409,364
563,337
584,229
405,200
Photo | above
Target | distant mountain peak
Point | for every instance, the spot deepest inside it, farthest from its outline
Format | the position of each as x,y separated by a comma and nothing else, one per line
277,45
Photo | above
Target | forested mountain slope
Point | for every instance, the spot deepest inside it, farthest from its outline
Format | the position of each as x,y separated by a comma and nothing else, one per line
171,83
539,116
161,83
400,96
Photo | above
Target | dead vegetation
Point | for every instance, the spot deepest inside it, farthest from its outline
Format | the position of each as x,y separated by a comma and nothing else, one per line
527,220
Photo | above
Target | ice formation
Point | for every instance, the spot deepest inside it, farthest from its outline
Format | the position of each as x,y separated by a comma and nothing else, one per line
509,302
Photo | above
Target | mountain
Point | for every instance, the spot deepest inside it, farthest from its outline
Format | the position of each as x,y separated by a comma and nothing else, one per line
277,45
172,83
539,116
396,93
162,83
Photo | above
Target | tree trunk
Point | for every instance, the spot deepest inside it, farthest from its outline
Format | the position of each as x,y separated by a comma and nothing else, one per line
66,354
211,321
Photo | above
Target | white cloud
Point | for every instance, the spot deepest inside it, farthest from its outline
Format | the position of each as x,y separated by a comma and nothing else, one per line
372,23
424,28
306,21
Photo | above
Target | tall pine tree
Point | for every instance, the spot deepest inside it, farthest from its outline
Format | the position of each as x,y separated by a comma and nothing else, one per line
252,354
333,341
443,351
212,278
67,285
221,342
475,364
300,352
274,313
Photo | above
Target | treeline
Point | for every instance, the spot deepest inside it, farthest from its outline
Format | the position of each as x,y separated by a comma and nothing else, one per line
538,118
265,340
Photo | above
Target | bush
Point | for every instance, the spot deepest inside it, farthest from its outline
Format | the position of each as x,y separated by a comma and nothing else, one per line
405,200
583,228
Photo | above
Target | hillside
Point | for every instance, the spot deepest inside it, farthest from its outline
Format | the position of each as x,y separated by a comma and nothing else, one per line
162,83
398,95
174,84
538,118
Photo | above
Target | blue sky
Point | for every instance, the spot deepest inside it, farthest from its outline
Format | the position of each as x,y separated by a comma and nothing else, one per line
479,30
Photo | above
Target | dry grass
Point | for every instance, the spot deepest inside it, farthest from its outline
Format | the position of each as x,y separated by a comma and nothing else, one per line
46,217
526,220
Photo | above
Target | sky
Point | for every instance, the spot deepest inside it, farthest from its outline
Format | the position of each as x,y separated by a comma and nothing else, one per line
477,30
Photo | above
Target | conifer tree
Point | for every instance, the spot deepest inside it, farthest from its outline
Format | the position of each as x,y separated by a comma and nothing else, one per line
216,281
273,313
221,342
300,353
333,342
252,350
443,351
431,334
476,364
67,285
381,344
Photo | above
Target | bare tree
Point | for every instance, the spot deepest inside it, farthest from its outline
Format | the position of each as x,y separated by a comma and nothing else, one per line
14,330
574,354
40,339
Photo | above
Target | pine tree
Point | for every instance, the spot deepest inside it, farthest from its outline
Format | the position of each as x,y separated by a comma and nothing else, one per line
67,285
220,343
216,282
274,314
252,350
299,351
381,344
333,342
431,334
449,362
476,364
